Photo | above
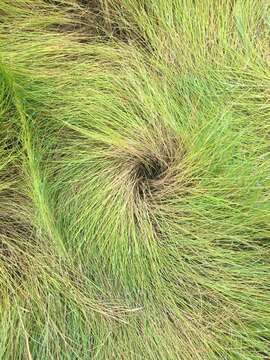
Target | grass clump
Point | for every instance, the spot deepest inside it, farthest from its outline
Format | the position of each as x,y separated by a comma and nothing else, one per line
134,180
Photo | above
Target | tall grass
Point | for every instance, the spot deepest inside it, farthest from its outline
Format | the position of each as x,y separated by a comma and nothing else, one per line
134,180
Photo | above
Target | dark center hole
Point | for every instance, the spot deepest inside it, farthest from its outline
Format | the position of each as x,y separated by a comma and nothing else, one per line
150,170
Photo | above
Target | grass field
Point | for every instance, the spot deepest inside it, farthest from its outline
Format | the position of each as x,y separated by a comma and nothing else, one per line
135,180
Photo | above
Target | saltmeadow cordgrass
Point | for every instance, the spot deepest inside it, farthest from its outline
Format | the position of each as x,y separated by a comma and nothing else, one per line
134,180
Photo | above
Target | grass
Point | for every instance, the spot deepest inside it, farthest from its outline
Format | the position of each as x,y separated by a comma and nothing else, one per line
134,180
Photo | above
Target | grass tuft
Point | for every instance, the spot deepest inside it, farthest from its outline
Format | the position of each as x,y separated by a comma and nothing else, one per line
134,180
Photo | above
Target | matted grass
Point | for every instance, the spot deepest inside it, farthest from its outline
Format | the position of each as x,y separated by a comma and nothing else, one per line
134,180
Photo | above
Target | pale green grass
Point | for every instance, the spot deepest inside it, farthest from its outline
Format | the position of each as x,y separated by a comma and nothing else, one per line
134,180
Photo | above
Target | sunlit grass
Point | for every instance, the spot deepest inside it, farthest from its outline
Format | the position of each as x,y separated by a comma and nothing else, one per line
134,180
